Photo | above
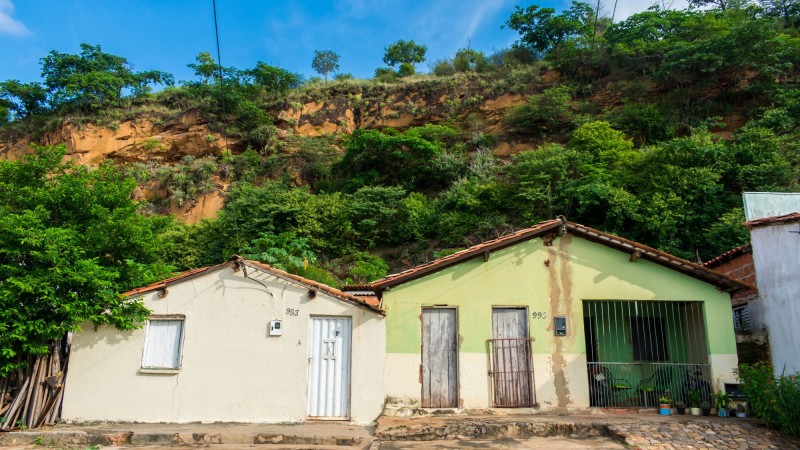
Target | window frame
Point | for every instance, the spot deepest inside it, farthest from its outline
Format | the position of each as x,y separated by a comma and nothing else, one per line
147,335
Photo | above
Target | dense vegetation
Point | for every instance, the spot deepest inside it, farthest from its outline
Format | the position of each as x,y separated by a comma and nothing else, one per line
628,139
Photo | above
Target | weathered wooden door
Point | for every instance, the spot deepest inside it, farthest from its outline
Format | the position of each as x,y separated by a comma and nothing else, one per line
329,368
439,358
512,368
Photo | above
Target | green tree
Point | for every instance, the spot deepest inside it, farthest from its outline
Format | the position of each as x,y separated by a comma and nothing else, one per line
787,10
325,62
721,4
71,239
274,79
542,30
93,78
407,53
373,158
206,67
23,99
468,60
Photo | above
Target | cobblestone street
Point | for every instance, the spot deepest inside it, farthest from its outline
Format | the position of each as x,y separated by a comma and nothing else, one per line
702,434
645,431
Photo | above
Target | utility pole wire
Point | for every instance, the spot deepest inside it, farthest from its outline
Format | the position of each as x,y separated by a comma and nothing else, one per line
614,12
216,31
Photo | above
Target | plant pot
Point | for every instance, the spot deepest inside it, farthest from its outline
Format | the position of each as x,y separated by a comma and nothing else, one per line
741,414
681,411
706,411
695,411
664,410
722,412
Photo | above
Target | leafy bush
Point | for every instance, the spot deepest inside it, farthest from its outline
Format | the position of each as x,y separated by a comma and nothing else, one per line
386,75
366,268
776,400
550,111
286,250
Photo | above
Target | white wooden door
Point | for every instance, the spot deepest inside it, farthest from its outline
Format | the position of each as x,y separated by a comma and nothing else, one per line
329,368
439,358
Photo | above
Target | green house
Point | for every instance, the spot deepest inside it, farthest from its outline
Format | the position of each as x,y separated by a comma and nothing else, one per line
557,316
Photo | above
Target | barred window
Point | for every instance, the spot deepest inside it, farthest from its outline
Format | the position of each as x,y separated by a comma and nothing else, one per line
741,318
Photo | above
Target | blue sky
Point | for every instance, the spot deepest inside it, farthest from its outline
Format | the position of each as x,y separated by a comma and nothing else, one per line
168,34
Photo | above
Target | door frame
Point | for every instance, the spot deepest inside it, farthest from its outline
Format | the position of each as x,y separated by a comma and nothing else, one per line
422,347
349,371
532,387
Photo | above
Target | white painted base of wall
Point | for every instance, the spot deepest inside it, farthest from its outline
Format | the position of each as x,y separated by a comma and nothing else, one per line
723,369
402,370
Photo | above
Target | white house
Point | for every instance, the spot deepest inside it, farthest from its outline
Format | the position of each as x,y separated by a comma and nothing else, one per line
236,342
776,257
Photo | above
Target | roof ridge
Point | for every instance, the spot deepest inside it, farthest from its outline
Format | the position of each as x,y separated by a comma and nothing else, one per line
654,255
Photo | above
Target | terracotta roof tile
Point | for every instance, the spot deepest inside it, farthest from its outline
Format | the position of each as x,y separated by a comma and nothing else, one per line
591,234
786,218
163,283
370,302
449,260
729,255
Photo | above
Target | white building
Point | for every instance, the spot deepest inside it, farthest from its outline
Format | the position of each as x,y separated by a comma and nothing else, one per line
776,257
236,342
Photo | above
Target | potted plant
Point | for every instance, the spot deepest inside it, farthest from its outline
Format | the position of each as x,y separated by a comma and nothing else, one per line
694,401
721,403
664,405
705,406
741,410
681,407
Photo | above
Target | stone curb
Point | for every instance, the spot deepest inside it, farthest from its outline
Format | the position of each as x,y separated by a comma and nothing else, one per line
465,430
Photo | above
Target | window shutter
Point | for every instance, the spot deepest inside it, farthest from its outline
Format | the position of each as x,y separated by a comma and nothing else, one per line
163,347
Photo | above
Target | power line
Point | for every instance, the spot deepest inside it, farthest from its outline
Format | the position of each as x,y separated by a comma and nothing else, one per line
216,31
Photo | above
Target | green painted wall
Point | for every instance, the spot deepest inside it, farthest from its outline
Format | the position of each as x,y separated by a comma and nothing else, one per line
549,280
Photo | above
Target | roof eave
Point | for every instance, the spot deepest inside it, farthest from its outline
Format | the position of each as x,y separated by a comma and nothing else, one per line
311,284
662,258
465,255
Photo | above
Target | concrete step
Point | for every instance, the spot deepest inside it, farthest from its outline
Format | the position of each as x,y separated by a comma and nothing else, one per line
537,443
465,429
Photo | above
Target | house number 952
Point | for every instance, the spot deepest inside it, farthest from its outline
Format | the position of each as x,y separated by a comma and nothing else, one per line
539,315
292,312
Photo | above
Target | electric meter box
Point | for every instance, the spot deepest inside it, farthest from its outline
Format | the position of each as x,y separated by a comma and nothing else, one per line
276,328
561,325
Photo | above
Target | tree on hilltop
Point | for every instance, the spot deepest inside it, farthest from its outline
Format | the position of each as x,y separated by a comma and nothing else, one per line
325,62
405,53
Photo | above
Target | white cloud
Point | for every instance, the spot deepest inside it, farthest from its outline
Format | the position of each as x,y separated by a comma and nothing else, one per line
9,25
626,8
486,8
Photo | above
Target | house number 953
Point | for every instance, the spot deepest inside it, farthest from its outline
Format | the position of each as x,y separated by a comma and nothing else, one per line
539,315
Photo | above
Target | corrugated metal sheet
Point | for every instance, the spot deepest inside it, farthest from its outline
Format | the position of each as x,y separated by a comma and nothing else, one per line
329,368
758,205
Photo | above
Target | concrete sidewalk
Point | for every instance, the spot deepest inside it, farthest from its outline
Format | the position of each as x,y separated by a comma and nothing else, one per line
600,430
317,434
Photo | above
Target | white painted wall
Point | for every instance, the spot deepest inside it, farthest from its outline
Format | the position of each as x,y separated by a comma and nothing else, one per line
776,256
232,370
